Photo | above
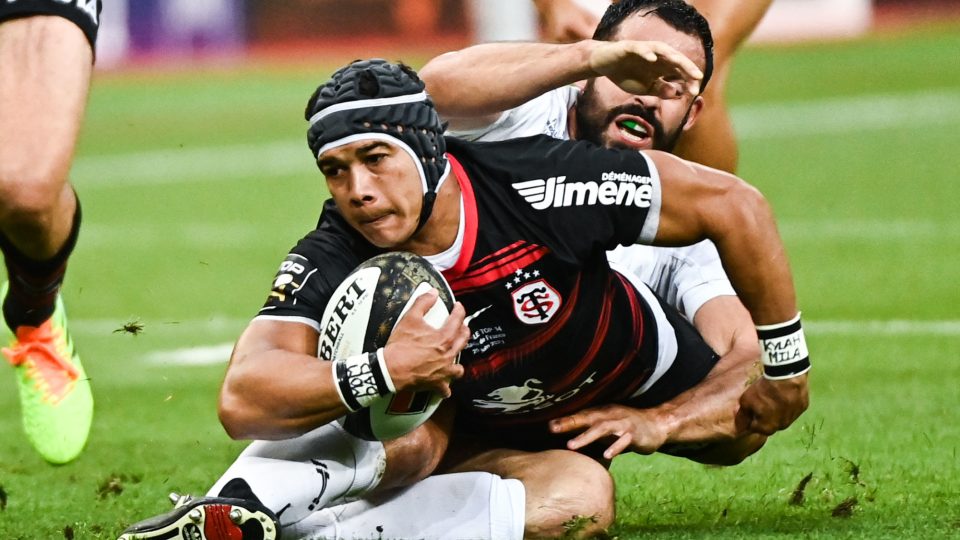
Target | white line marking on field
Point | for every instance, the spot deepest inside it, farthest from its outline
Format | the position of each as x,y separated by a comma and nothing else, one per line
885,328
192,356
206,164
848,114
217,323
220,353
884,230
869,112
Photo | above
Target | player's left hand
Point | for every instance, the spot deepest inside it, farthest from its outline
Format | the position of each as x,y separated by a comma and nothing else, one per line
633,429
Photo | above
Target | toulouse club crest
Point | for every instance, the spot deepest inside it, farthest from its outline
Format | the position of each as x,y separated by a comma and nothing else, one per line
535,302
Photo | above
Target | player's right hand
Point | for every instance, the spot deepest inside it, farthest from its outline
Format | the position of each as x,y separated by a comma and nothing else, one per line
770,406
421,357
646,68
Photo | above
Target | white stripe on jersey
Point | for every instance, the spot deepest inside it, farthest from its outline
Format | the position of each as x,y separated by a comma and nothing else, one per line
666,338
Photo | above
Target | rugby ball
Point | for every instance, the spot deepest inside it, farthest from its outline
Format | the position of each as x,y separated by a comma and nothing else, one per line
360,317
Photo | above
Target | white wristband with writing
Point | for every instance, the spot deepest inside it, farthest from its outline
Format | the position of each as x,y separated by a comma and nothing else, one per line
783,349
361,379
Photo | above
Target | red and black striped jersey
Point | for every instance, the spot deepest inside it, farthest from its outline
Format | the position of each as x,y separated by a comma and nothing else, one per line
554,329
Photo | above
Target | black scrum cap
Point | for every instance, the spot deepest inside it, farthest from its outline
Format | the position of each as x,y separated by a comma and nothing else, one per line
377,99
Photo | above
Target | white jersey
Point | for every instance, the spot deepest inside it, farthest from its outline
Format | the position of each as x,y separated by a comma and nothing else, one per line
686,277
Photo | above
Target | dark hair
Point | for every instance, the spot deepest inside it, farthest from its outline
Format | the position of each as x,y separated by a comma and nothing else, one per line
677,13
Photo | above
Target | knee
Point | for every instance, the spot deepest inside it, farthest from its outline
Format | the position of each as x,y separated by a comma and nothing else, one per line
572,496
414,456
29,195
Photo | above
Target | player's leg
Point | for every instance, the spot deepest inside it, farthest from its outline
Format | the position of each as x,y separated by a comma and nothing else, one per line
712,140
45,67
461,505
294,479
566,493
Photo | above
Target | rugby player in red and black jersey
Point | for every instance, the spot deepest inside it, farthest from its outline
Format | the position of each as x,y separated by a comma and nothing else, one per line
519,229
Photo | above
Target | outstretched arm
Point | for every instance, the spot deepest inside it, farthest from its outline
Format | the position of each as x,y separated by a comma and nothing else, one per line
702,202
471,86
705,413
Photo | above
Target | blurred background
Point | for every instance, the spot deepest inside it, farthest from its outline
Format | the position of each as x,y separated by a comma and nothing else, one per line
138,30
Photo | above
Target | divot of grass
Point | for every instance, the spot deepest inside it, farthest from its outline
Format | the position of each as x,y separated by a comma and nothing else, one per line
797,497
845,508
577,524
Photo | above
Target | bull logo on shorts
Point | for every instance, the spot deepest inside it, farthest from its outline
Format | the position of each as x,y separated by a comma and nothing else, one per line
530,396
535,302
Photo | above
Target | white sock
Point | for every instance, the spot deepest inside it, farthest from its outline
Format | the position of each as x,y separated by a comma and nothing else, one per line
296,477
462,506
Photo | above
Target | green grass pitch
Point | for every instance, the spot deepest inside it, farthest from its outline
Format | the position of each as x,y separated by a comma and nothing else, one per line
194,186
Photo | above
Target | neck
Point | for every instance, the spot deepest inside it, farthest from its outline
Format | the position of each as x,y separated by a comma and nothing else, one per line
440,231
572,122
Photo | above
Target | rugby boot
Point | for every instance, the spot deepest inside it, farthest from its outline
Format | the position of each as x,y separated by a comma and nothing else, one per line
55,396
208,518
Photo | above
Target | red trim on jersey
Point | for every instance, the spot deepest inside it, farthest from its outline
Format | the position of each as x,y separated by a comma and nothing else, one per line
636,313
584,398
470,219
587,397
603,325
496,361
499,267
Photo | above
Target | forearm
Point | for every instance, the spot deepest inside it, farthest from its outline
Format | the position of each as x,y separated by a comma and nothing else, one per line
707,412
261,398
701,202
493,77
756,261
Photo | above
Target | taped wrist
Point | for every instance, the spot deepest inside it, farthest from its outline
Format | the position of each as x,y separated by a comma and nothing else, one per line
783,349
361,379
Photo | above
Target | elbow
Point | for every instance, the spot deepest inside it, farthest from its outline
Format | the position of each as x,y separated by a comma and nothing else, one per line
435,75
752,209
237,414
230,417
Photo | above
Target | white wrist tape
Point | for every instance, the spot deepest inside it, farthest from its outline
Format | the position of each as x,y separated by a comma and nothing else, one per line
783,349
361,379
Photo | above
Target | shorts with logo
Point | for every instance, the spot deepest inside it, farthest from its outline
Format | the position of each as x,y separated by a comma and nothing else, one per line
83,13
693,362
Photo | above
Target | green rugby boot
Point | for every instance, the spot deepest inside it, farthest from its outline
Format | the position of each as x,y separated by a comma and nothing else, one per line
55,395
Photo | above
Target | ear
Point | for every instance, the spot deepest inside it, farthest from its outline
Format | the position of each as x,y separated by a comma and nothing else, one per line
695,109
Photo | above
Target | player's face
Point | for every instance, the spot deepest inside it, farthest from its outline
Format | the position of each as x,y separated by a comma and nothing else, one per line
609,116
376,186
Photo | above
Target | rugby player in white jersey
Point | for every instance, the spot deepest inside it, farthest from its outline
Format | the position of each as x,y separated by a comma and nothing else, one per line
532,83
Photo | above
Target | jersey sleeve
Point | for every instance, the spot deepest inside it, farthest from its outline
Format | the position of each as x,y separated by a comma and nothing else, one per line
543,115
311,271
685,277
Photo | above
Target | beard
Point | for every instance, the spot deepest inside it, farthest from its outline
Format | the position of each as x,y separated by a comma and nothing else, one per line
593,122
